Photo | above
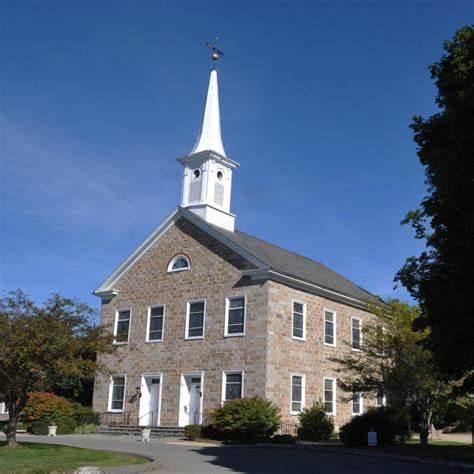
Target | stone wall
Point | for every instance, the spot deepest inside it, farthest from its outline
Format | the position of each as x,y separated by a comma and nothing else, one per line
214,275
286,355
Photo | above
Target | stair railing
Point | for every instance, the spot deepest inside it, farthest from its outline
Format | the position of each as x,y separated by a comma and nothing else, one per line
143,416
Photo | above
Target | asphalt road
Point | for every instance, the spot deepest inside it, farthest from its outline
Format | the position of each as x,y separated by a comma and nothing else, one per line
181,457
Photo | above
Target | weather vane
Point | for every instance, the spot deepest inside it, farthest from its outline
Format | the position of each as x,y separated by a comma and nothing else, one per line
215,53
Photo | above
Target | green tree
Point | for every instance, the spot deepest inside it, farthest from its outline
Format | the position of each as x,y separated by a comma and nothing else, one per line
42,347
441,278
394,361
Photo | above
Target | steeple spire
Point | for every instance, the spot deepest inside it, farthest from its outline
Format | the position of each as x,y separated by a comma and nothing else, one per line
209,137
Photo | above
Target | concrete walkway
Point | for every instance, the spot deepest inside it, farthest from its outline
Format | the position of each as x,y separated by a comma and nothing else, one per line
185,457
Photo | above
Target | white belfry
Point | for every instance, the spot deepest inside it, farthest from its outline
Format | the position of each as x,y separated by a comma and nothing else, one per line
207,180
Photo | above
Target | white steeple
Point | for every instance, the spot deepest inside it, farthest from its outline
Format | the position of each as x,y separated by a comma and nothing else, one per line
207,180
209,137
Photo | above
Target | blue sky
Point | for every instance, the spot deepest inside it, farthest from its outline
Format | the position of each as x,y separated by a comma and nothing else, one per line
99,98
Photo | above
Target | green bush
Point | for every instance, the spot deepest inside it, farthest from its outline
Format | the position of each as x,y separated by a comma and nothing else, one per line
389,424
192,431
86,429
246,420
45,406
39,427
283,439
84,415
66,425
315,424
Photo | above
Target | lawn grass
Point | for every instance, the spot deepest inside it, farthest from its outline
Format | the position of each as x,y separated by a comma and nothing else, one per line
48,458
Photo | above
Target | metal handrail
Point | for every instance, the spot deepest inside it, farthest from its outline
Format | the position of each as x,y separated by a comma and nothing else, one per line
140,417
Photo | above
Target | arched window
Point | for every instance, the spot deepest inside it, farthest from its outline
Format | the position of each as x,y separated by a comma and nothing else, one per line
179,263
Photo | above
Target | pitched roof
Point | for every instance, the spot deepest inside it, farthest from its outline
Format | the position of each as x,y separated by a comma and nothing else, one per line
294,265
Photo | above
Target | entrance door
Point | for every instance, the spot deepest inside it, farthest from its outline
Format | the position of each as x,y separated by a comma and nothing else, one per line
190,400
150,400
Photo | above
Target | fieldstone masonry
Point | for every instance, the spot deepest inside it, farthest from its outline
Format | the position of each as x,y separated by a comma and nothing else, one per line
266,353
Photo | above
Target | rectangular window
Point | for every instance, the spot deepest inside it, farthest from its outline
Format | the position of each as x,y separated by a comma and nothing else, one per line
297,393
380,402
299,320
357,404
117,393
122,326
235,316
3,408
329,328
195,320
156,316
329,395
232,386
356,334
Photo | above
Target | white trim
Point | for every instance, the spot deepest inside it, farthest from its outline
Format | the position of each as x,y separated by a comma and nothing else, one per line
361,403
303,393
334,397
264,273
224,382
226,322
173,261
107,285
111,385
384,400
3,408
360,333
182,382
154,374
292,320
148,318
188,304
117,311
334,327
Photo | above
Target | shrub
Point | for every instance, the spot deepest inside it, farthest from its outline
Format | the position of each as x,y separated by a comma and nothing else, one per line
66,425
283,439
84,415
389,424
39,427
246,419
315,424
87,429
192,431
45,406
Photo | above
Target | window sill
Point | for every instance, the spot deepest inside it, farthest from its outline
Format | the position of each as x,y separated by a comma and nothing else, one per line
116,411
295,413
355,349
236,334
179,270
298,338
193,338
329,345
115,343
153,341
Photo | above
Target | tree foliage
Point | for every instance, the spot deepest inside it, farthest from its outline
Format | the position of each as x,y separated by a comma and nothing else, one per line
45,346
441,278
394,360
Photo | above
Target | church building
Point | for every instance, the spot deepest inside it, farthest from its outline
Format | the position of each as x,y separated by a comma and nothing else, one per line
202,312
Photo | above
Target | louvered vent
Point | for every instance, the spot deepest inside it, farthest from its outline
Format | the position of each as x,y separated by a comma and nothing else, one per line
219,194
195,191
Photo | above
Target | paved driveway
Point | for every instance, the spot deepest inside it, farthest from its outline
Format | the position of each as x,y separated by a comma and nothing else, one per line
174,456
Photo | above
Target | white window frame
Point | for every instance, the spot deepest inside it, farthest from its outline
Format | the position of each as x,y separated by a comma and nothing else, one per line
334,397
148,321
293,320
117,311
360,333
360,397
111,388
227,307
188,306
173,260
225,373
326,310
303,393
3,408
384,400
